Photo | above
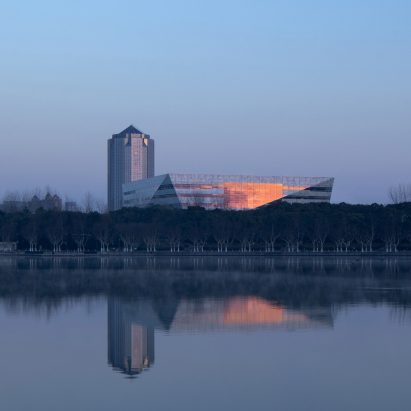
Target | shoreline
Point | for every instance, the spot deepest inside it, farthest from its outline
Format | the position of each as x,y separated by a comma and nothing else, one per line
257,254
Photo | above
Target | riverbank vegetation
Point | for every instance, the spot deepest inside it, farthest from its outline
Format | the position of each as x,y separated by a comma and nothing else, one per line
283,227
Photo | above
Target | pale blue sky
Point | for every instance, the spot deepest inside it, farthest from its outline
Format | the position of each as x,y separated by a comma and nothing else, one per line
288,87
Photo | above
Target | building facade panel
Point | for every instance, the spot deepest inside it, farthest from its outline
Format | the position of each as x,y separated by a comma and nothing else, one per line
225,192
130,158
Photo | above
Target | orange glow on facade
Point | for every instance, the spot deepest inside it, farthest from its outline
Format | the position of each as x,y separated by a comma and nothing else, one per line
225,192
254,310
252,195
236,312
235,195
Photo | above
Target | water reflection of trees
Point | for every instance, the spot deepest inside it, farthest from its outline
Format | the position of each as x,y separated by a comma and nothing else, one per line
293,282
296,264
202,293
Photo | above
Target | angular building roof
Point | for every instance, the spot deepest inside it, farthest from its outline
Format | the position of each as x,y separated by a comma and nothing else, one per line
129,130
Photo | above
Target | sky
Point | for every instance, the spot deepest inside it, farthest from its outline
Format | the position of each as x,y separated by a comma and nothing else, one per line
280,87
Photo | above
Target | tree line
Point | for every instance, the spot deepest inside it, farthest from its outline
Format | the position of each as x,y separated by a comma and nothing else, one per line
282,227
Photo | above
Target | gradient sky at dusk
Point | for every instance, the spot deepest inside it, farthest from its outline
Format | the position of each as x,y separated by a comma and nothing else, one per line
313,88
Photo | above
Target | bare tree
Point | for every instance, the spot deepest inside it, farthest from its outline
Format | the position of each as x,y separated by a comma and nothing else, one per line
174,238
223,235
321,231
318,232
343,236
89,202
31,234
149,233
400,193
246,236
55,235
102,231
392,233
199,235
79,233
129,236
364,234
100,206
270,233
293,234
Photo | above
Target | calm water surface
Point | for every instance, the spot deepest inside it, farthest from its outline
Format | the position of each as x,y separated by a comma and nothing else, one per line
205,334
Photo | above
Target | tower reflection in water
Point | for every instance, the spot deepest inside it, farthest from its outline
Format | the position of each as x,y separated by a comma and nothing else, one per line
130,345
131,324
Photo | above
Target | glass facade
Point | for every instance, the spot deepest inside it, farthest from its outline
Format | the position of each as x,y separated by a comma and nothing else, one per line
225,192
130,158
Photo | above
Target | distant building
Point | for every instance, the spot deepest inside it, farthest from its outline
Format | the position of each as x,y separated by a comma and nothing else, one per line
71,206
48,203
130,158
8,247
225,192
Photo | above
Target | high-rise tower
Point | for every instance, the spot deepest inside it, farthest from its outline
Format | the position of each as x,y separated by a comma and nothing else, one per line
130,158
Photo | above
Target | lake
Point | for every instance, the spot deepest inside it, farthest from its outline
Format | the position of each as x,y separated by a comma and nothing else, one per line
205,333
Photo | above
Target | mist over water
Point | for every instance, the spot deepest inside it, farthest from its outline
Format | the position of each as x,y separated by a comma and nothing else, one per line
205,333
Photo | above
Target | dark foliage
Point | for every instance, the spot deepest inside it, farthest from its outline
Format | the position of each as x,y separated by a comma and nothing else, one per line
280,227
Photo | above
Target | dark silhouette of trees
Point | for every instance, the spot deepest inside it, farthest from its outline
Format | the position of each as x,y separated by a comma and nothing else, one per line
79,232
102,231
222,234
55,233
282,227
30,232
269,232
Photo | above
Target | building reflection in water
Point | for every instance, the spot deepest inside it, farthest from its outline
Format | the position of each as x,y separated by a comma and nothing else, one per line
130,345
131,324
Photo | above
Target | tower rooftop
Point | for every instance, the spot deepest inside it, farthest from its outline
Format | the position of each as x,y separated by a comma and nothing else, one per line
129,130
